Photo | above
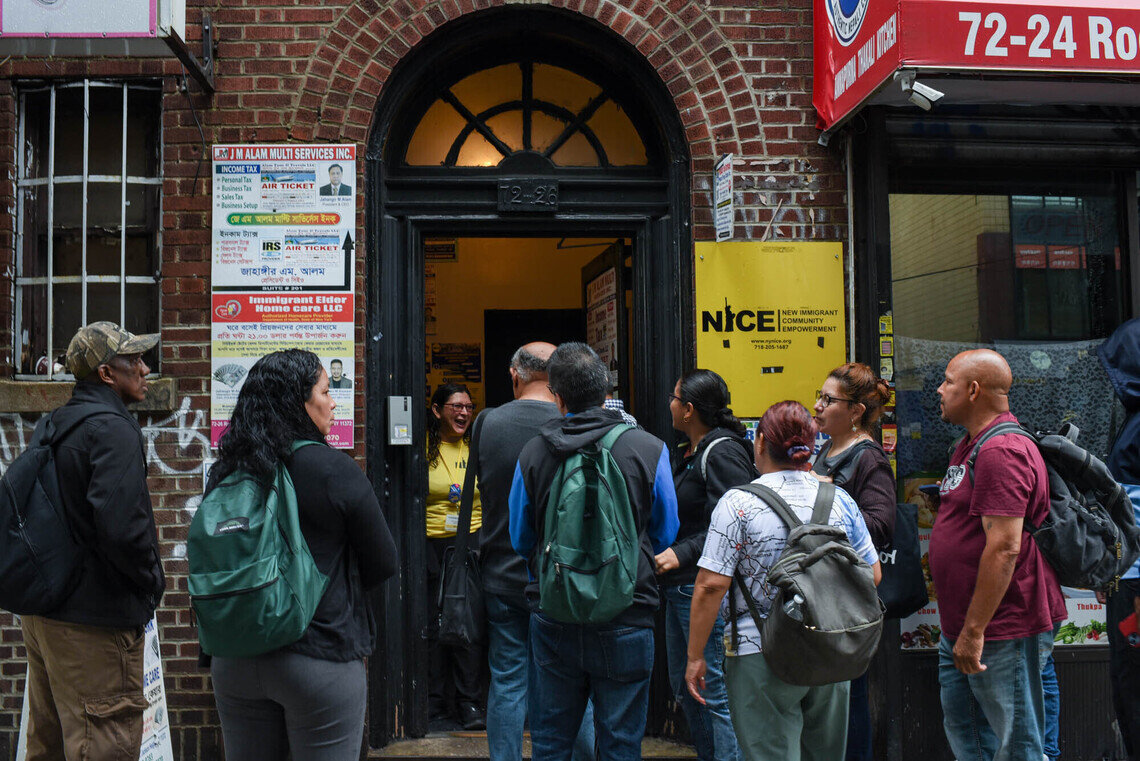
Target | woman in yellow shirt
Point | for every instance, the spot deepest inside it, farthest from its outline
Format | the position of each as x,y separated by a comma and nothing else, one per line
456,673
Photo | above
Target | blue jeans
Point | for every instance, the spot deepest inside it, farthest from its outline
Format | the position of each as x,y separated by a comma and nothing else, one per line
709,724
508,654
610,664
1051,732
999,714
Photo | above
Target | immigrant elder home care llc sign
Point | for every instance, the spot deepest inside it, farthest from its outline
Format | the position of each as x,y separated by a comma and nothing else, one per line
283,236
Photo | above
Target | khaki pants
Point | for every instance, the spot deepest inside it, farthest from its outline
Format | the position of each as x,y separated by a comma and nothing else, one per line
85,691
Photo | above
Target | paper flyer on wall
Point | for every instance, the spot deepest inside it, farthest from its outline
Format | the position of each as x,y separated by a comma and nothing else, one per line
156,744
282,267
246,326
770,318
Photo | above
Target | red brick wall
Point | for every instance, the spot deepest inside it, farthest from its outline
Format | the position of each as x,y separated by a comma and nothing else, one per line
312,70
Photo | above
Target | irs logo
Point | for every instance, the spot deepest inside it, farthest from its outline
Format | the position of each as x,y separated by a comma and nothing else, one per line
846,17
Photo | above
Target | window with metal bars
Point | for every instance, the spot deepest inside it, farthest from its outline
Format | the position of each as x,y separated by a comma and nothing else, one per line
88,215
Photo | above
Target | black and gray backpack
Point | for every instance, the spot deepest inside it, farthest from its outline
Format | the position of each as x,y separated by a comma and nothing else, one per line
1090,536
826,619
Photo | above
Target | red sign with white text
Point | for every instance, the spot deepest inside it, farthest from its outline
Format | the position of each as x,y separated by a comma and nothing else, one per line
1065,257
859,44
1042,36
856,50
1029,256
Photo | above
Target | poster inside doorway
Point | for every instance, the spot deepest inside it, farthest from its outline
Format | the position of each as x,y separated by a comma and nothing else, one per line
282,268
770,319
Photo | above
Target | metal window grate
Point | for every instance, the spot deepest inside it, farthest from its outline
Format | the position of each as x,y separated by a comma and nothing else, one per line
66,267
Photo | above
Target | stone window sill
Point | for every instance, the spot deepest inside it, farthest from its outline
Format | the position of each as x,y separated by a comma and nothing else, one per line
45,396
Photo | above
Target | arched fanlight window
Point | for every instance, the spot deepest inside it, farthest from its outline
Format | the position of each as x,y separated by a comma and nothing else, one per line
525,108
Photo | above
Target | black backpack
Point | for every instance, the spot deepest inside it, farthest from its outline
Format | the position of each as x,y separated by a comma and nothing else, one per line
40,559
1090,536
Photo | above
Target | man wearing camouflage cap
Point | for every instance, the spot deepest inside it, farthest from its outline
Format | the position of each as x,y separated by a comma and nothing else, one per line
85,658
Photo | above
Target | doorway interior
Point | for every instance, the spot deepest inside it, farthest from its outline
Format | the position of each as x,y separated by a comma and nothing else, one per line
485,297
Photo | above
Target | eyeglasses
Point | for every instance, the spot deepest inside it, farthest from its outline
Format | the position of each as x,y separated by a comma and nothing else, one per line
671,396
829,400
460,407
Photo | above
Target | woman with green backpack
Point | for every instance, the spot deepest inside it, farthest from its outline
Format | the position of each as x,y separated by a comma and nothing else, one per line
307,697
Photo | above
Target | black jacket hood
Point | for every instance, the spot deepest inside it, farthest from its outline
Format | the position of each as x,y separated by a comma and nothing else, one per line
567,435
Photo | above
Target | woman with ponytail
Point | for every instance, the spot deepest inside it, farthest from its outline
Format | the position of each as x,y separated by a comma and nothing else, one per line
847,409
774,720
714,457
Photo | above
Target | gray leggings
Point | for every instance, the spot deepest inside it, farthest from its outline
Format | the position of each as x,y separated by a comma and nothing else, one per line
282,702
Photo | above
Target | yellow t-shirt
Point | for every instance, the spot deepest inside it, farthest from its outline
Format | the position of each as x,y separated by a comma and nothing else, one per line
443,502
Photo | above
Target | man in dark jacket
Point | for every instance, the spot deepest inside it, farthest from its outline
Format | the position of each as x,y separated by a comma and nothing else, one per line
611,662
1120,357
505,431
85,659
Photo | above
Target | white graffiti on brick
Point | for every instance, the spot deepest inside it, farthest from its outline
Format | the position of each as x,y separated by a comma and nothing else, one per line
189,427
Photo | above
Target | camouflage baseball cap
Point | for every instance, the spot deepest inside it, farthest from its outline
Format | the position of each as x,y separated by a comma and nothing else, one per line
98,342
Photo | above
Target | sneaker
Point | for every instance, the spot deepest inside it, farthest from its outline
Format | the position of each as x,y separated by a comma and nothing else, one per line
471,717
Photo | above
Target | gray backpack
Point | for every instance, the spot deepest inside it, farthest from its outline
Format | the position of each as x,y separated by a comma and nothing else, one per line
826,619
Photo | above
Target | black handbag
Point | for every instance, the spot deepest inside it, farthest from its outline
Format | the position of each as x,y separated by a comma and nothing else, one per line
903,588
462,617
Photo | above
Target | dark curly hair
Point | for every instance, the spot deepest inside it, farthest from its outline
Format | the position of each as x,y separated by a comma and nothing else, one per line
440,397
708,393
270,413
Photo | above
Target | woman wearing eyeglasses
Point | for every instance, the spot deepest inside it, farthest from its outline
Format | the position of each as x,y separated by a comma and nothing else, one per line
714,458
847,409
455,688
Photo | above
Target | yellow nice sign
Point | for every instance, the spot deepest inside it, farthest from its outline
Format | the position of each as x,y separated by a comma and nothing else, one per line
770,319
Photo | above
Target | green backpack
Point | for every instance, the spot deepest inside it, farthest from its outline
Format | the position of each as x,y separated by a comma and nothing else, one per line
254,586
588,567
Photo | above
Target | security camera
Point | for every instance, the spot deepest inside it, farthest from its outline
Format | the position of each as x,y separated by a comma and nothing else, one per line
927,92
923,96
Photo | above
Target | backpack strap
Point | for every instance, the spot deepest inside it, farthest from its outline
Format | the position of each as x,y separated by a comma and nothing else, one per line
52,435
612,435
467,497
998,430
742,585
705,457
774,501
824,499
845,463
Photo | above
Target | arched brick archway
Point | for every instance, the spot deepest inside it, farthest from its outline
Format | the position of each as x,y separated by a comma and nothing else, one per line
694,59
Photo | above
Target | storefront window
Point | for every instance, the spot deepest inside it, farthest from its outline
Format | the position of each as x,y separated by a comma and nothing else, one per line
1039,278
88,215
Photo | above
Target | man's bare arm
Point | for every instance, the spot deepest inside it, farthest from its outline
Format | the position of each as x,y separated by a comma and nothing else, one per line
995,570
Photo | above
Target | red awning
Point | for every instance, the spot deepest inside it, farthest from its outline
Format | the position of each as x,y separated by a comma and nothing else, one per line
861,44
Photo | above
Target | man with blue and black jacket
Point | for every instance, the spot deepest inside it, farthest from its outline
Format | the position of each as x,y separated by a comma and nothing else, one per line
609,663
